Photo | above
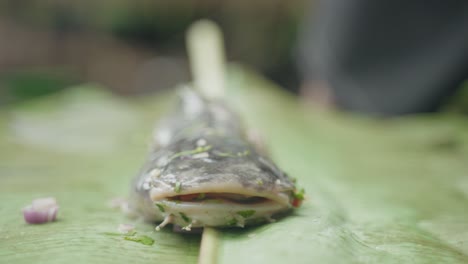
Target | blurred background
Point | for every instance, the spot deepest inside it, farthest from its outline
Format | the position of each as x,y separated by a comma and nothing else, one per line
135,46
377,58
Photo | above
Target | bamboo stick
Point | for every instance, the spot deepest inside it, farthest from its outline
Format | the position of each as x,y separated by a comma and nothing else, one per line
207,61
206,53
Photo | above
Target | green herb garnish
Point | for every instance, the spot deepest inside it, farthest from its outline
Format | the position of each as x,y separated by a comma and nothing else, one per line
246,213
244,153
299,195
145,240
191,152
178,187
185,217
260,182
201,196
131,233
161,207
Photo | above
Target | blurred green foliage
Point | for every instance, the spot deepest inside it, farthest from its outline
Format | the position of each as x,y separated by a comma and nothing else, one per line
261,34
23,85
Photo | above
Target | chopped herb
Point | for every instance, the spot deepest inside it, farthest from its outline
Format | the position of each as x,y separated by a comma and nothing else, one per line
299,195
161,207
260,182
232,222
203,148
145,240
246,213
119,234
223,154
178,187
186,219
244,153
191,152
201,196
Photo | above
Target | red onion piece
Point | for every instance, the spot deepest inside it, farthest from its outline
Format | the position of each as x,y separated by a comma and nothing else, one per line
41,211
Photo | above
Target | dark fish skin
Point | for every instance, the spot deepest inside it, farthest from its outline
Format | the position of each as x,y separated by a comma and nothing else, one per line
203,145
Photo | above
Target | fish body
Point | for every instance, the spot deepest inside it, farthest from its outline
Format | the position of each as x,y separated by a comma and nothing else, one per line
203,171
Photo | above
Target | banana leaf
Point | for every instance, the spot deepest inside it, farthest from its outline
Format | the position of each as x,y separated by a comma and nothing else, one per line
377,191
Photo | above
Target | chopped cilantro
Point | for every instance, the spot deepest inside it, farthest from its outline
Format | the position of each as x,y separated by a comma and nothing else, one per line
161,207
190,152
118,234
299,195
178,187
201,196
246,213
145,240
185,217
244,153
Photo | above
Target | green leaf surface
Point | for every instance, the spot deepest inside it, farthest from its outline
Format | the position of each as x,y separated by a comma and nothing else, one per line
376,191
83,147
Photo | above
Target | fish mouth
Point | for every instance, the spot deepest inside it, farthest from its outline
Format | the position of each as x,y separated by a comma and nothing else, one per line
219,197
228,193
208,207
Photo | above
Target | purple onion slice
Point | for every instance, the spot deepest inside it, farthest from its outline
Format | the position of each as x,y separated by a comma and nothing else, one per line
41,211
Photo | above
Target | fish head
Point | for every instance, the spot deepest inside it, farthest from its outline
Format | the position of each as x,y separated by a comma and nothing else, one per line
205,185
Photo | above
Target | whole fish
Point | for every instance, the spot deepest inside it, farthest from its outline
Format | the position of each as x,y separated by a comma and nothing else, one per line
203,171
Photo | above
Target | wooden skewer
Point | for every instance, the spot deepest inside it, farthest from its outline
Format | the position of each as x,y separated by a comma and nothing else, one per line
207,62
209,246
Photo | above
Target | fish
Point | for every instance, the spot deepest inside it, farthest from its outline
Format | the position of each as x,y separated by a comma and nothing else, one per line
203,171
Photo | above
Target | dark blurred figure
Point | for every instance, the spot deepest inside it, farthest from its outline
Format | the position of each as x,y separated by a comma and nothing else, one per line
385,57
